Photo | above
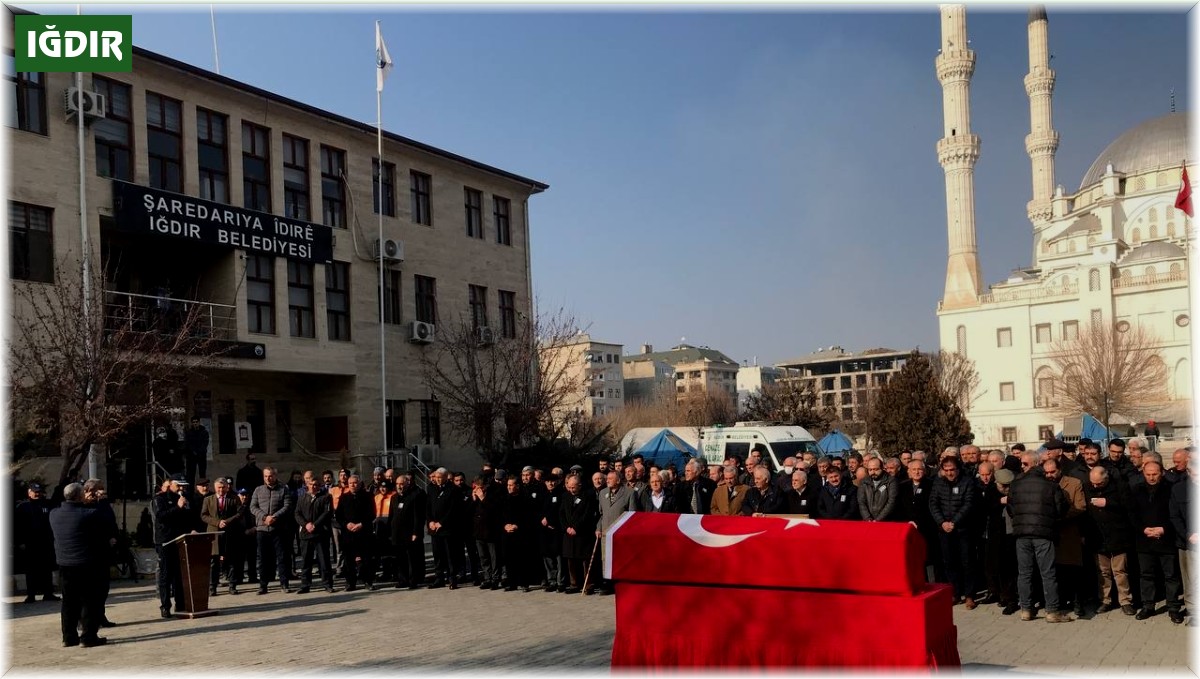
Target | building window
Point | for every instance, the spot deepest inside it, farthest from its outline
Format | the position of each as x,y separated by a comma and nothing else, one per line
500,208
478,299
164,142
431,425
212,142
30,243
1042,331
847,398
1070,330
333,193
827,384
391,297
848,414
283,426
114,133
1045,432
337,300
426,299
260,293
1097,317
388,185
1004,337
28,92
1008,434
1094,280
845,382
295,177
256,167
300,299
419,184
960,337
474,206
508,314
1006,391
395,425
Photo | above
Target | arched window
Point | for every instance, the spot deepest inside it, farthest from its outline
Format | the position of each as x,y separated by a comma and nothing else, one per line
1170,229
1176,267
1150,271
1136,236
962,340
1094,279
1153,214
1139,184
1126,276
1071,247
1153,231
1044,388
1183,379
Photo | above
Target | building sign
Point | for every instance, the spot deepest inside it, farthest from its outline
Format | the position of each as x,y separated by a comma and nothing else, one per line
141,209
91,43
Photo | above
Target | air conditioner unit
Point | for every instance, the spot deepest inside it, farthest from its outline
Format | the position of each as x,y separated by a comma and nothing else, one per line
428,454
422,333
392,250
486,336
92,103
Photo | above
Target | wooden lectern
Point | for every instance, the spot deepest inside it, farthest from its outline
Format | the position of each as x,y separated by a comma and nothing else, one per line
195,565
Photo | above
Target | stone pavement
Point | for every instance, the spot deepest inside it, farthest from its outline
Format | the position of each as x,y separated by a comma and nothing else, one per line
471,630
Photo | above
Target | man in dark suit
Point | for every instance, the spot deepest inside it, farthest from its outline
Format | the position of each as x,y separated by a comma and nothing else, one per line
694,494
314,517
355,515
81,550
1155,541
222,512
407,518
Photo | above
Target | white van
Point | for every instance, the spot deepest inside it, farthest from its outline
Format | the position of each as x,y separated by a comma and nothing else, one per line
718,443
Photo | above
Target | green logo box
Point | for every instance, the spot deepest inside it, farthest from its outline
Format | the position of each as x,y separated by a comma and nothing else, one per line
72,43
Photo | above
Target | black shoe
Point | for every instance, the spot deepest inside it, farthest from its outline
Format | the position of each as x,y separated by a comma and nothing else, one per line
212,591
166,612
287,588
70,642
31,599
570,590
510,588
437,584
262,591
351,588
527,589
453,585
50,597
107,623
414,586
329,588
89,643
1127,609
1176,617
562,589
233,589
1105,607
302,590
1010,609
1143,614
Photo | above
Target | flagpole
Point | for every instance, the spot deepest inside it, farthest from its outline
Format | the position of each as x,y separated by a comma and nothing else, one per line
379,243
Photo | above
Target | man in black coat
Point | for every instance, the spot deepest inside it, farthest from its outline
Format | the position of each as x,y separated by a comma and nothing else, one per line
81,550
249,476
693,495
1110,534
35,544
838,499
355,515
951,500
763,498
1155,541
578,516
517,535
550,534
173,516
912,505
195,440
407,518
1186,538
801,498
1035,504
444,501
314,517
486,529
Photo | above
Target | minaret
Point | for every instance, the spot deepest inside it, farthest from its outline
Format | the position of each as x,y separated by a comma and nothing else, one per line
957,152
1042,141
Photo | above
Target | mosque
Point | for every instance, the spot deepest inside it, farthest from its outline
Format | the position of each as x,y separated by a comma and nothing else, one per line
1114,251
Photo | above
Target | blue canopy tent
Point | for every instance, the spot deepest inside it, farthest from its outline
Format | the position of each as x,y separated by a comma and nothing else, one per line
835,442
666,448
1090,428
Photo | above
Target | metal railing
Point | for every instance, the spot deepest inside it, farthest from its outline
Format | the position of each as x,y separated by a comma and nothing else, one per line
1150,279
150,313
1033,294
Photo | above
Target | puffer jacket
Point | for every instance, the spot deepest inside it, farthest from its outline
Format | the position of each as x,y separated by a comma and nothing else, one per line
877,498
952,501
1035,504
267,501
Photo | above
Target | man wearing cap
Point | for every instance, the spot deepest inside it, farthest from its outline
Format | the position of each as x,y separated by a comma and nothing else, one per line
35,544
271,505
1000,547
221,513
172,517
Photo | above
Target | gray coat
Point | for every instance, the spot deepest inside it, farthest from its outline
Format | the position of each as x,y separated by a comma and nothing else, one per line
877,498
266,501
612,509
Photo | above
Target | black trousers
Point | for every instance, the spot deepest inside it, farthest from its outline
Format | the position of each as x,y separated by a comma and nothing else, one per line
38,568
447,555
170,577
514,553
410,561
250,544
359,564
230,565
472,558
273,546
80,598
1000,559
1164,564
318,547
956,560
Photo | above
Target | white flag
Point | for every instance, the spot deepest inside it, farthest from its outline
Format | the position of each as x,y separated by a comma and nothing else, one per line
383,60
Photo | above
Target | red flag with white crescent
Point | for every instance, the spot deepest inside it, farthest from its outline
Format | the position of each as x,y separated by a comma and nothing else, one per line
1183,200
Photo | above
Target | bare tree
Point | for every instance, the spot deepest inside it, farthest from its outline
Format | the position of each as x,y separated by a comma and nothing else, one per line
83,369
957,376
791,402
1106,371
502,392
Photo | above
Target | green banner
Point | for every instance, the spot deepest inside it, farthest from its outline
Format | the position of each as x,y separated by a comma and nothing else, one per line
72,43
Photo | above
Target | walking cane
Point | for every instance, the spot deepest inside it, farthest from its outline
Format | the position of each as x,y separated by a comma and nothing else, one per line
588,572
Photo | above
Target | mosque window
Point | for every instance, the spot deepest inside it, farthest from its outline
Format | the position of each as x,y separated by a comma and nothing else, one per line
1163,179
1136,237
1071,247
1139,184
1094,279
1153,214
1176,268
1126,277
962,340
1153,231
1150,271
1170,229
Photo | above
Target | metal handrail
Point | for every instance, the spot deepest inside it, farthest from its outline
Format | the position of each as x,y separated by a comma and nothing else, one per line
146,313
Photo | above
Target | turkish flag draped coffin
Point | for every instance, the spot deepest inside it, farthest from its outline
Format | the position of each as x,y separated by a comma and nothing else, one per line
780,552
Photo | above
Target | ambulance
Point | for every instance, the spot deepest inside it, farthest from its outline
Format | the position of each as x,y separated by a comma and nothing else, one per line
718,443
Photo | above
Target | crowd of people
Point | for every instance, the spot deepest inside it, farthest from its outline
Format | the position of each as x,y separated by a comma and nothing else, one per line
1067,529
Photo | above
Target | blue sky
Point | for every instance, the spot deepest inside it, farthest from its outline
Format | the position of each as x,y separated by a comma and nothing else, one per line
763,183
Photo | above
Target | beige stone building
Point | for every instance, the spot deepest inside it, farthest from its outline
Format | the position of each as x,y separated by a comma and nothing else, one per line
595,367
301,300
698,370
844,380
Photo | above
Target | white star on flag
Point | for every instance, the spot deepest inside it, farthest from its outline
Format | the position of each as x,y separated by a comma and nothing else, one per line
383,60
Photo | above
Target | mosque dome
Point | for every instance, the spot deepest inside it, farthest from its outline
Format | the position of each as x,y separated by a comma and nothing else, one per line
1157,143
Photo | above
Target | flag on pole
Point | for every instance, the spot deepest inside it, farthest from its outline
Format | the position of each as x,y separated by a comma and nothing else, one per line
383,60
1183,200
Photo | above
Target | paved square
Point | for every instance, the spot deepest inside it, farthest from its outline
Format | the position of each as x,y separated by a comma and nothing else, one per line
470,629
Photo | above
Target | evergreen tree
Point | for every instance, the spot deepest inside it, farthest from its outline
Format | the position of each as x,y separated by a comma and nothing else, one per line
913,411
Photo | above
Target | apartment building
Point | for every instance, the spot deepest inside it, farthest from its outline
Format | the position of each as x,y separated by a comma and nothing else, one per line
698,370
264,211
595,368
845,380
